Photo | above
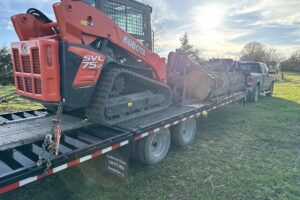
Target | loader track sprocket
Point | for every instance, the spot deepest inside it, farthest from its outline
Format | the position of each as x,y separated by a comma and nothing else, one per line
140,96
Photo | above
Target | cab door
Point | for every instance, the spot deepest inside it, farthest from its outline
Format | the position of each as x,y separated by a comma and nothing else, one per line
268,79
132,16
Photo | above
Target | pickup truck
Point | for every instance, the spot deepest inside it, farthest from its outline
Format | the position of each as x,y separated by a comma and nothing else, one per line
258,79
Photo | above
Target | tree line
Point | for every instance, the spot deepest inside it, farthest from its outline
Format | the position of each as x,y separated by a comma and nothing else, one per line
6,70
255,51
292,64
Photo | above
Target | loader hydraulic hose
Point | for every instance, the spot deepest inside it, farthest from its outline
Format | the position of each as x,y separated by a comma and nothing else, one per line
39,15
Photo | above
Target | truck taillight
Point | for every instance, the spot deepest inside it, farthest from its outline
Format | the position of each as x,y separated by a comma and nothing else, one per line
249,80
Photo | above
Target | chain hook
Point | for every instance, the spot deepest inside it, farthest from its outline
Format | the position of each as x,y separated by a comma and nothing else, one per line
51,141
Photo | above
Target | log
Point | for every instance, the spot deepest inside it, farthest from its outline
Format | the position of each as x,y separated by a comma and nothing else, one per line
202,81
199,85
210,82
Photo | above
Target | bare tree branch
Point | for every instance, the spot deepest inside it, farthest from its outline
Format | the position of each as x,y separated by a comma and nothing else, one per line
258,52
157,26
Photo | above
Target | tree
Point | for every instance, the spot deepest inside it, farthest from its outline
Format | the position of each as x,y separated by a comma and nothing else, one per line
185,46
258,52
292,63
157,28
254,51
6,70
156,25
189,49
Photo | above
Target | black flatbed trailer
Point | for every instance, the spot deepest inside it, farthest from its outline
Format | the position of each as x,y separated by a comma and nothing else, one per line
81,141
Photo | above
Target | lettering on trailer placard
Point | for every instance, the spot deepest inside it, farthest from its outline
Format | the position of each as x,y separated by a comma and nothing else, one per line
116,162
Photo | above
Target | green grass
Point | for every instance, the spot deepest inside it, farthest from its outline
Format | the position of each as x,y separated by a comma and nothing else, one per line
288,91
291,77
17,104
241,152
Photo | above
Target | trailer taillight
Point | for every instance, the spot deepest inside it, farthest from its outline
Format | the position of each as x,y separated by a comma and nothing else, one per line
249,80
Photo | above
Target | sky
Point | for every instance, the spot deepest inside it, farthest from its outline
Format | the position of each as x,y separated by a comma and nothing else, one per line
220,28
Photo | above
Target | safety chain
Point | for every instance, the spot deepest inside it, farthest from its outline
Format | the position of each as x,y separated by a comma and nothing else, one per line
8,97
51,141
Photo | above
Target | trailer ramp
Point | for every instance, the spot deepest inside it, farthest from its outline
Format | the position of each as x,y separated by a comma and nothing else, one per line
18,165
17,132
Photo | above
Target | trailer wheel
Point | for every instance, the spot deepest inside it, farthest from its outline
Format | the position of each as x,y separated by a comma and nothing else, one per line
184,133
153,149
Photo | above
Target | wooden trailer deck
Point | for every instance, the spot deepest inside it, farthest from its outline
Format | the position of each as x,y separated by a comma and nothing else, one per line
18,133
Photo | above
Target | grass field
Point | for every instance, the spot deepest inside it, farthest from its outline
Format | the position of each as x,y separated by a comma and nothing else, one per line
241,152
16,105
291,77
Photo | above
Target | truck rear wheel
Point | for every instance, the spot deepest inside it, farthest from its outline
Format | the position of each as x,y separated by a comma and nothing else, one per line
184,133
270,92
153,149
254,96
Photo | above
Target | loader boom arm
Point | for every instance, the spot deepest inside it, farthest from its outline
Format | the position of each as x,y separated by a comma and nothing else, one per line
81,23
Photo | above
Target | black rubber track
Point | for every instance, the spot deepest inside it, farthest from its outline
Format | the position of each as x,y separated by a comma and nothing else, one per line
96,110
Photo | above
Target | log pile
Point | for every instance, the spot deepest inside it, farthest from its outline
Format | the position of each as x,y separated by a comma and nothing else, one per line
206,81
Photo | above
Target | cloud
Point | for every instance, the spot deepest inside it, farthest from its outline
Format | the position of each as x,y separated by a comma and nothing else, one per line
272,12
12,7
219,28
206,26
160,10
6,24
243,21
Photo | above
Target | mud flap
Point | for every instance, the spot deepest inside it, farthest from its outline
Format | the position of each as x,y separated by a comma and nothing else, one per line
117,162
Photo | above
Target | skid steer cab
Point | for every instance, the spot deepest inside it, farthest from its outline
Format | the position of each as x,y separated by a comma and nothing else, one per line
66,60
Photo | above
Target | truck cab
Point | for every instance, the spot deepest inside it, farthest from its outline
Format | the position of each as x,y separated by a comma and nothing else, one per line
258,79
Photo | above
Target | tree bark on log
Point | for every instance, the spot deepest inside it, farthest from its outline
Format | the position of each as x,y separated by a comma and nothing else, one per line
204,82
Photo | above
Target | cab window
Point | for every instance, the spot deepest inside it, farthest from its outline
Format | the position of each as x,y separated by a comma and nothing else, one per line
90,2
128,18
250,68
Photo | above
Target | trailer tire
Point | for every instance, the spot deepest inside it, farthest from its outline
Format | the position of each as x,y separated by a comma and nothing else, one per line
184,133
154,148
